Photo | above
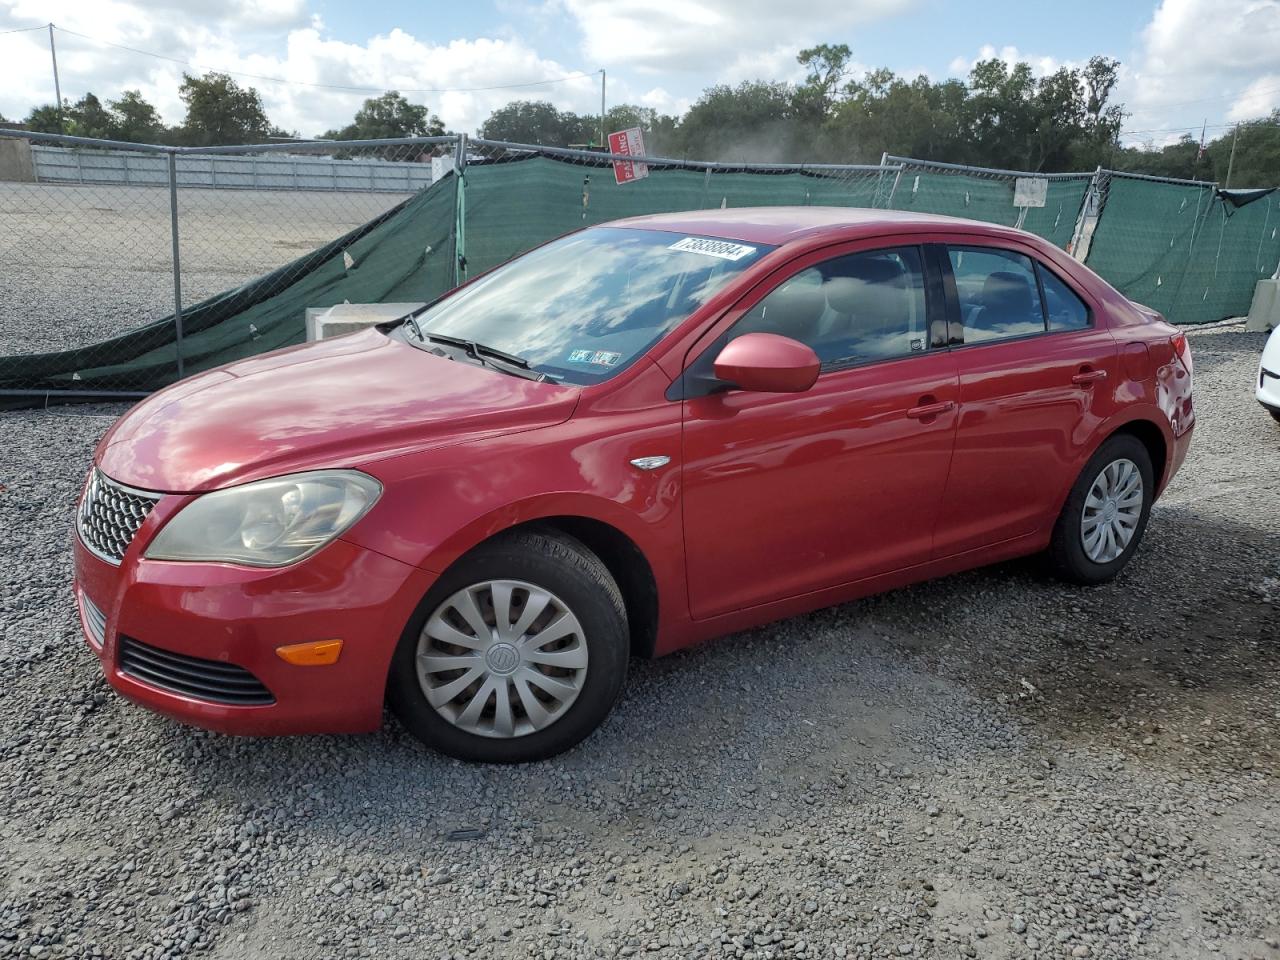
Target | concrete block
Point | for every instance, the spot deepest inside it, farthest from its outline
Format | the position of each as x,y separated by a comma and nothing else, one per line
15,160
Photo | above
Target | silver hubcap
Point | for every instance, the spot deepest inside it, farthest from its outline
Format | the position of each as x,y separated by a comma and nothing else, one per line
1111,511
502,658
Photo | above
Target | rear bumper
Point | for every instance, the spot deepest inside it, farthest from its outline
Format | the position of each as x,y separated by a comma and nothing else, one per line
225,616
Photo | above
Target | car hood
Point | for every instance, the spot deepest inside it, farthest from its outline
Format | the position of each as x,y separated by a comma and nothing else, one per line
333,403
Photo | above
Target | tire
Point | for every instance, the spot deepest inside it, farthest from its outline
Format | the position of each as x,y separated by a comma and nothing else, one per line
1275,414
1069,549
516,571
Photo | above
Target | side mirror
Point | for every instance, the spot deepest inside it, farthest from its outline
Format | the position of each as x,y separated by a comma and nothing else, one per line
768,363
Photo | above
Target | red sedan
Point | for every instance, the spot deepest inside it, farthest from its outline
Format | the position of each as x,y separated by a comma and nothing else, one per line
633,438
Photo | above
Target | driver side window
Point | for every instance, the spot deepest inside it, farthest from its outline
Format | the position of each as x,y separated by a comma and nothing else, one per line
852,309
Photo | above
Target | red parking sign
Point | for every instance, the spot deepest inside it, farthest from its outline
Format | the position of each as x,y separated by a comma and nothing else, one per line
628,143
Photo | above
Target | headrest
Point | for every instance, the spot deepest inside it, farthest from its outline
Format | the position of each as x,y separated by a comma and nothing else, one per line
860,280
1008,293
796,306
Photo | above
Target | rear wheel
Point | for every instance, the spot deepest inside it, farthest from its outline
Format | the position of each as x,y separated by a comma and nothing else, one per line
517,653
1275,414
1106,513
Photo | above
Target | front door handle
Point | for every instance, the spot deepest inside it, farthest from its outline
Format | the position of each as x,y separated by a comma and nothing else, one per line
928,410
1085,377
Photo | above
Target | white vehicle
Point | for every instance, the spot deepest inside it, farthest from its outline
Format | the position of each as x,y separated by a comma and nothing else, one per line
1268,392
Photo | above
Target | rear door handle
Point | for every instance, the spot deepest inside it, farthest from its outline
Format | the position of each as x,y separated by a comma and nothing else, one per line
930,410
1089,376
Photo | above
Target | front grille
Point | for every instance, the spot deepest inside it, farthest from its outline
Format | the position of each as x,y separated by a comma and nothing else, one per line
95,620
191,676
110,515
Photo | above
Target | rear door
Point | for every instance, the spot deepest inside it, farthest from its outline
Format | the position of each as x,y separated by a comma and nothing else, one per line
784,494
1037,376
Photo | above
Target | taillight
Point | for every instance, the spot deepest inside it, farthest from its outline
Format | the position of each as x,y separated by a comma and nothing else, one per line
1182,349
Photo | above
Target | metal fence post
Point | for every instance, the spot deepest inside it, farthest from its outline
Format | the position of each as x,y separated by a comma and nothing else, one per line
884,162
1090,209
177,260
460,209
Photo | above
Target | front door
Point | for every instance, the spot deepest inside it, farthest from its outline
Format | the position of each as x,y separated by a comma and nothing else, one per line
784,494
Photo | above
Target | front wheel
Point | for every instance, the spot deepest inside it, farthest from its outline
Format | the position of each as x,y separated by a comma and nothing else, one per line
1275,414
1106,513
517,653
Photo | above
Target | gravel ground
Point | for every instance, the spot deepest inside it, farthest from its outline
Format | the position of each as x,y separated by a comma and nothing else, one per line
991,765
110,247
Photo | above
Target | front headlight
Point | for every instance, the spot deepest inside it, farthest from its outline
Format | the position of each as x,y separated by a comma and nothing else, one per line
269,523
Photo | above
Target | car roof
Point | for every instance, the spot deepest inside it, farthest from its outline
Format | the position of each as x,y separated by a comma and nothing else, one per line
779,225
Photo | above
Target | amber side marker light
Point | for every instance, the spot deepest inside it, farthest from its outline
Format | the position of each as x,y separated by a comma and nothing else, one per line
317,653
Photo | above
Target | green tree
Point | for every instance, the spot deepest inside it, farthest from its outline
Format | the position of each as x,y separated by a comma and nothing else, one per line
828,66
220,111
1257,162
659,129
44,119
752,121
387,116
887,113
1102,118
537,121
135,120
87,117
1001,115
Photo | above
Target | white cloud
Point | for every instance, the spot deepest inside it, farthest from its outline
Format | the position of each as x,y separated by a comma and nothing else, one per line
245,37
1258,99
776,63
1201,60
709,36
1040,65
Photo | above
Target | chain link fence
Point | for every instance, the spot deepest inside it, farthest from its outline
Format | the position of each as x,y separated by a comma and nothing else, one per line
150,263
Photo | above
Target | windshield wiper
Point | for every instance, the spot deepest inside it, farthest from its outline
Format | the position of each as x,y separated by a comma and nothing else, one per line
491,356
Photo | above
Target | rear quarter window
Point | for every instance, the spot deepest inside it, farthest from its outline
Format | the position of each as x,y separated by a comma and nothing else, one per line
1063,309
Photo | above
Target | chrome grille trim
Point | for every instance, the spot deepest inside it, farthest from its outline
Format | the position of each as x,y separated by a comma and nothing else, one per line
95,620
110,514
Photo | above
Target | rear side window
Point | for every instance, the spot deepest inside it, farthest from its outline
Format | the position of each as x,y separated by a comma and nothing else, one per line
852,309
999,296
1063,309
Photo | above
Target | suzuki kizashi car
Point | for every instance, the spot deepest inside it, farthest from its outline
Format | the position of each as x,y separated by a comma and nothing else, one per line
628,440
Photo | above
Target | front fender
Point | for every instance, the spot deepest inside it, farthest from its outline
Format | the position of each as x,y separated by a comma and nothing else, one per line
439,504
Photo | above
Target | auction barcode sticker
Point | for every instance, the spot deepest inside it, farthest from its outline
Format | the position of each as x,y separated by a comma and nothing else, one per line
723,249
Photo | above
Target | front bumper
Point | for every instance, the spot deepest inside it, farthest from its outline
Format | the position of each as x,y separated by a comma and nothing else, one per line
226,616
1268,391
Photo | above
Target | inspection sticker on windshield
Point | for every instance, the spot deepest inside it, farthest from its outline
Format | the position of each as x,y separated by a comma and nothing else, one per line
602,358
723,249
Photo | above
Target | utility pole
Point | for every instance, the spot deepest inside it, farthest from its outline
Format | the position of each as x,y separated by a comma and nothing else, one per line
1232,161
57,87
603,141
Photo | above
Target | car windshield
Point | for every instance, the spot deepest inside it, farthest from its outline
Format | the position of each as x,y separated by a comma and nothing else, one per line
582,308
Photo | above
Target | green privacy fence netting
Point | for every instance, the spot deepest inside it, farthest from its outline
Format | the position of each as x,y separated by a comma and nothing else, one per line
988,196
1178,247
513,206
1184,249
